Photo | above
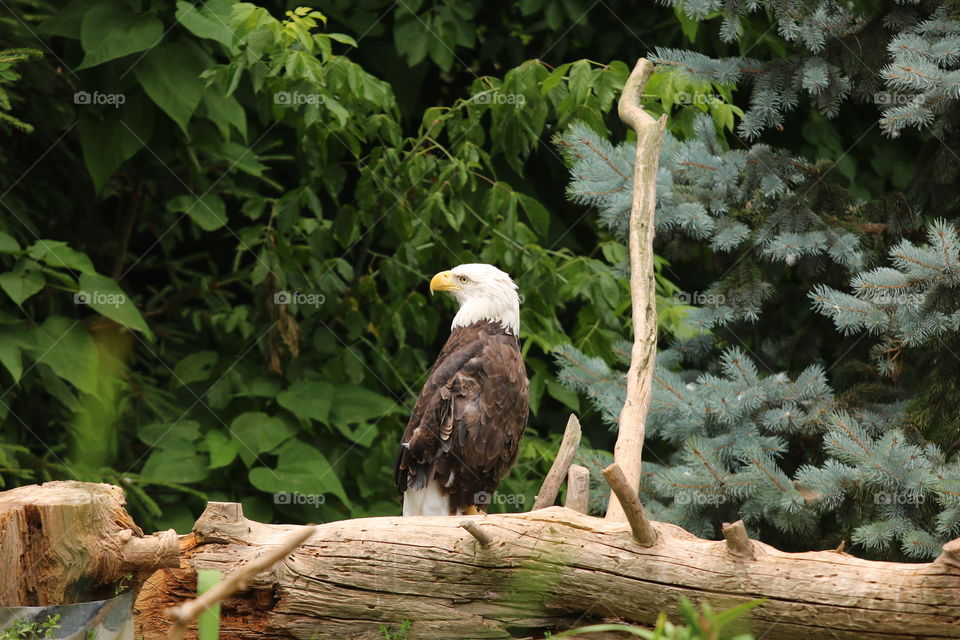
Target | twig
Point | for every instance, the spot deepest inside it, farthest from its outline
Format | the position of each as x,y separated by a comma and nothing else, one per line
568,449
477,532
951,554
578,488
643,531
184,614
628,450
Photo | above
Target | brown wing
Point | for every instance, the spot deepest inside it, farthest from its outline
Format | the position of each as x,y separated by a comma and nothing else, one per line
466,427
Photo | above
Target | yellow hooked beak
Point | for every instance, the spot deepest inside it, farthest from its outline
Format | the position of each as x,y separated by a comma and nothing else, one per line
444,281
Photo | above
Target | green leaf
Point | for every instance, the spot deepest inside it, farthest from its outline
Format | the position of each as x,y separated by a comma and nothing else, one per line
308,399
195,367
537,214
23,281
112,30
8,244
13,337
302,469
208,211
222,448
170,74
208,20
66,346
105,296
57,254
224,111
171,435
66,22
109,142
357,404
181,465
258,432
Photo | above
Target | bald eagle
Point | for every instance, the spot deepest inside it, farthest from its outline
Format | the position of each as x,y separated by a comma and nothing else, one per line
464,433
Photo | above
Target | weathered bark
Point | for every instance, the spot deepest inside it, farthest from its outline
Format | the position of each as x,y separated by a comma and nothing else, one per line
68,542
548,569
558,470
629,447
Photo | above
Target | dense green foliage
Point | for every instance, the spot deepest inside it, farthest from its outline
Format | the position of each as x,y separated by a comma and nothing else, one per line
218,221
215,248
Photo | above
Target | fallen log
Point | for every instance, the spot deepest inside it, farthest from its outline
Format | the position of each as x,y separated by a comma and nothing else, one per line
70,542
548,569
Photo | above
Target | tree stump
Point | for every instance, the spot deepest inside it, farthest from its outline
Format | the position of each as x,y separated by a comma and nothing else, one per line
69,542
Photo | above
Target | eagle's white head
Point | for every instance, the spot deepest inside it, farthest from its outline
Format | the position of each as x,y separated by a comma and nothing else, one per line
484,293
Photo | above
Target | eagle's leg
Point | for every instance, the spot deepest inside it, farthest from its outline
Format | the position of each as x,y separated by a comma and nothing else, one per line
471,511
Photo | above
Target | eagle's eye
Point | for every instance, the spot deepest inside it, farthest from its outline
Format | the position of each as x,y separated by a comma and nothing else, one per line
463,278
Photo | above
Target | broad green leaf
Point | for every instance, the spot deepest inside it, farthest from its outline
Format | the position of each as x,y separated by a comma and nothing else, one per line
171,435
307,399
105,296
12,337
66,22
222,448
170,74
224,111
357,404
195,367
538,215
112,30
8,244
208,20
208,211
180,465
113,137
59,255
302,469
23,281
258,432
66,346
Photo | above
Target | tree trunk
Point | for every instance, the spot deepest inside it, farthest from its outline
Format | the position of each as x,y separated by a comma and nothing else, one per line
545,570
69,542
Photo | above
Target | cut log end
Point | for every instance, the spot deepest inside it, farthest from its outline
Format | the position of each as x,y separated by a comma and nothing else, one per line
578,489
738,542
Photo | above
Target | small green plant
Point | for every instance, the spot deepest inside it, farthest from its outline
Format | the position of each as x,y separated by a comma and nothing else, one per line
123,585
700,625
400,634
32,630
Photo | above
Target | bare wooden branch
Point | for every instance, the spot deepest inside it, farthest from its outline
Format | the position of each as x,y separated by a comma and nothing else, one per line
578,488
568,449
551,568
237,580
738,542
629,447
643,532
477,532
